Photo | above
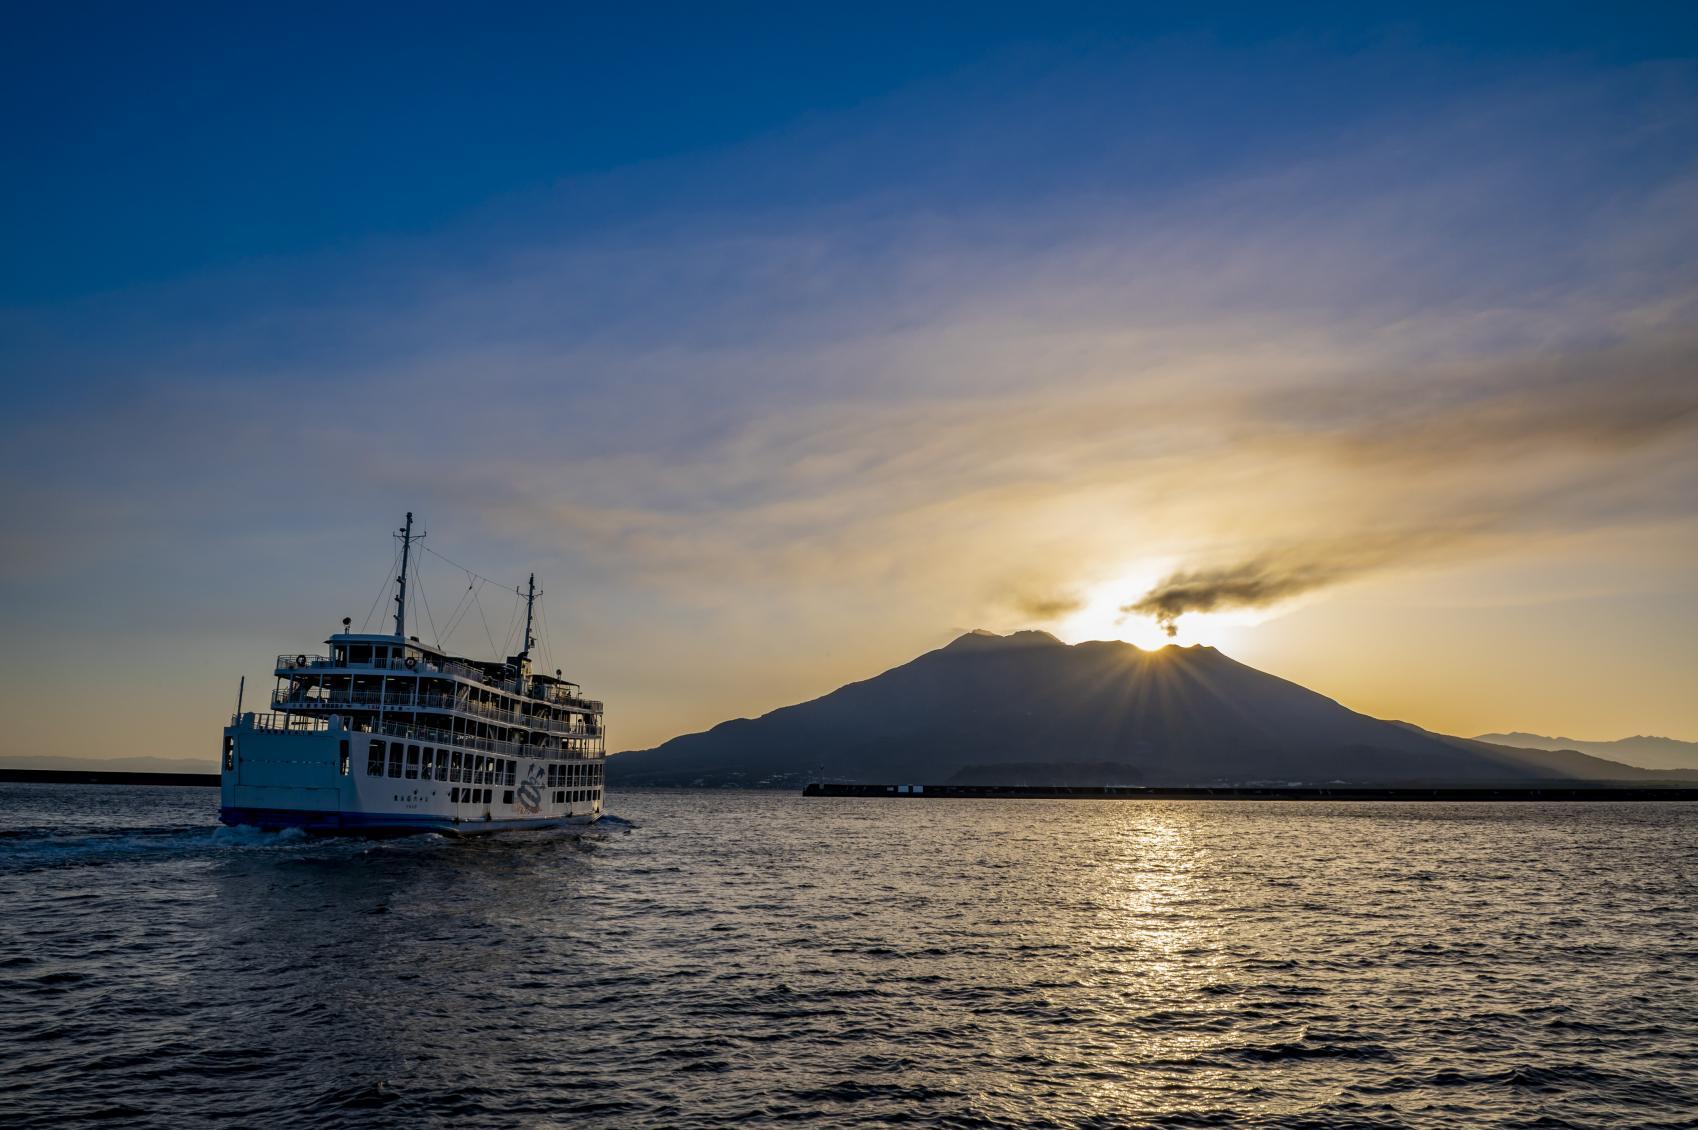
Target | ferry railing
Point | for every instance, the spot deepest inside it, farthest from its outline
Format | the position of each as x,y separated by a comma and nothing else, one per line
429,666
486,745
282,723
338,698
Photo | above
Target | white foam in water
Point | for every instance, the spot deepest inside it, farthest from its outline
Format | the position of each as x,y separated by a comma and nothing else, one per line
249,836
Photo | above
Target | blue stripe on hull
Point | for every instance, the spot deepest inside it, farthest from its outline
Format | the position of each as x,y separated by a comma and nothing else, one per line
380,823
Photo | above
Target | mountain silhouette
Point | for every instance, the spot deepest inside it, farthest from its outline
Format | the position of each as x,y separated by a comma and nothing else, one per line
1643,750
1028,709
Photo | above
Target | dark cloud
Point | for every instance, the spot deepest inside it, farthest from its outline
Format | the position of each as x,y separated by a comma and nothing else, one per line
1250,584
1471,455
1047,607
1597,401
1277,575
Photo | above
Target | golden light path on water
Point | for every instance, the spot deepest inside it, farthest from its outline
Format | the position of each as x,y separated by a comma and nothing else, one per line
1146,916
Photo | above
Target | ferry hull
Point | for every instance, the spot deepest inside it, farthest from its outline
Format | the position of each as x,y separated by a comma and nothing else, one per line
383,823
337,781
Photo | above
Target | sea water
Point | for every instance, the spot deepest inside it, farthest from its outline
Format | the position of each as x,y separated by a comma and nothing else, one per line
719,958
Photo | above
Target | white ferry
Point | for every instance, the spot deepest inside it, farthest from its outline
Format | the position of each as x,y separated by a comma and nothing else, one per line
387,734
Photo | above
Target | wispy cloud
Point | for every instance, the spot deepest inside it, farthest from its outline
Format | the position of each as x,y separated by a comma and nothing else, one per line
1423,335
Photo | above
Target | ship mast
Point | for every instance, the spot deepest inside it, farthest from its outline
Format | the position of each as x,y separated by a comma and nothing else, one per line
407,540
531,595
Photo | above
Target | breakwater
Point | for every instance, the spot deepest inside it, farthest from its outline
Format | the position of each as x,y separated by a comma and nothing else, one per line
1592,792
103,777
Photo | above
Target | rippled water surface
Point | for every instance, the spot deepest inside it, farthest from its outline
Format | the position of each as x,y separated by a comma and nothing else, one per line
715,958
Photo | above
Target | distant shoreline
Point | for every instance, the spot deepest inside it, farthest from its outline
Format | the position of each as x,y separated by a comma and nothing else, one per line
104,777
1592,792
1603,791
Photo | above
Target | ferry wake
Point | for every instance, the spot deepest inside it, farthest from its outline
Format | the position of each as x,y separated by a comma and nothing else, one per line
388,734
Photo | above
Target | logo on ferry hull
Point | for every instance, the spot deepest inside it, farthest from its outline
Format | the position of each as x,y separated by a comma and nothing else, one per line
529,795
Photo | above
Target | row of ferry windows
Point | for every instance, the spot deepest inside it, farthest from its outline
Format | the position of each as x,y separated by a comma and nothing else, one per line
562,776
361,654
415,763
431,764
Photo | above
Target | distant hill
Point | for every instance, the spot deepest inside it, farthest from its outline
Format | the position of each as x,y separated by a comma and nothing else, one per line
1027,708
1643,750
115,764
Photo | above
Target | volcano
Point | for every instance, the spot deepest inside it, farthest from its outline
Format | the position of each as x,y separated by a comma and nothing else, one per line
1028,709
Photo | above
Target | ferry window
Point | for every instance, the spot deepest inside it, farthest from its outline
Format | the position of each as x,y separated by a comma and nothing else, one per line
360,653
553,776
512,770
427,767
454,766
395,752
507,797
412,763
441,765
344,757
454,796
487,794
229,752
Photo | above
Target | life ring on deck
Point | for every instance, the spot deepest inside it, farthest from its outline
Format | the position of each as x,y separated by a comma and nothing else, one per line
300,661
411,662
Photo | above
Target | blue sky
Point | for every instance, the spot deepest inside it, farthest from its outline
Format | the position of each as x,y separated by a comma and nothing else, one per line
150,142
792,341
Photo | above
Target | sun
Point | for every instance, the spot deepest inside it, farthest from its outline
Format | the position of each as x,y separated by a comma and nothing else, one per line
1099,617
